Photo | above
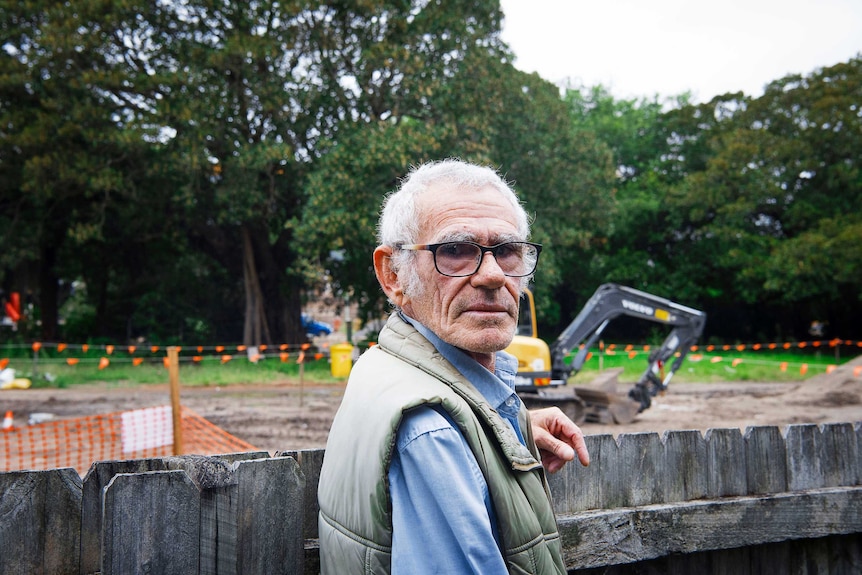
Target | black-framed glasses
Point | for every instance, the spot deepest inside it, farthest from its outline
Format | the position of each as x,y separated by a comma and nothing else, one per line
461,259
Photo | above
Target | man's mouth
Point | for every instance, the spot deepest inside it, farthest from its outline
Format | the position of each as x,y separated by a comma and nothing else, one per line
487,309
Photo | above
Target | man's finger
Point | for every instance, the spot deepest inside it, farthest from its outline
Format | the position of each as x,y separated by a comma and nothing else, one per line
581,449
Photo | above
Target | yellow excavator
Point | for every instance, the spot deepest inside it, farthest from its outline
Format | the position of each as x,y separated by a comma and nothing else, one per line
544,371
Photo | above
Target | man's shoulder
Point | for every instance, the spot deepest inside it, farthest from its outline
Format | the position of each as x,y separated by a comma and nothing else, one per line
422,420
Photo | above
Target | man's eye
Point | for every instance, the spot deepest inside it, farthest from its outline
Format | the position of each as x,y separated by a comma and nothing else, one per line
458,250
447,250
507,251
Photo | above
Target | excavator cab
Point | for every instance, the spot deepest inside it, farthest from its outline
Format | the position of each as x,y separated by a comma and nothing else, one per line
534,356
527,315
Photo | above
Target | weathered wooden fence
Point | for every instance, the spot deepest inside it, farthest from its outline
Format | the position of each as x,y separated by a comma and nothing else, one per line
764,501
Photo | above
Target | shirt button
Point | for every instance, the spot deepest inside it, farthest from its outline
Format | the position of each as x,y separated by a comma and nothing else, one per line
510,402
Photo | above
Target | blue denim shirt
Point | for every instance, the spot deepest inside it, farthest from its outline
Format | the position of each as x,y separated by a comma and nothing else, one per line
443,519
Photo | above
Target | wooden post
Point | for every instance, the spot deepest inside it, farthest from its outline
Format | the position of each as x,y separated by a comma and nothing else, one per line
35,361
174,375
301,379
601,355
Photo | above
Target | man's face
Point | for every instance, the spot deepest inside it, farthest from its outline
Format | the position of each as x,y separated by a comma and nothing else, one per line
477,313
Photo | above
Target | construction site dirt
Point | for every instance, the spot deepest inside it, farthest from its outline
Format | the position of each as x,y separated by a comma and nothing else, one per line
288,416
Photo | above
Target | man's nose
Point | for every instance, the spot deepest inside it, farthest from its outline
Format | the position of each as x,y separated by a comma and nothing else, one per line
489,269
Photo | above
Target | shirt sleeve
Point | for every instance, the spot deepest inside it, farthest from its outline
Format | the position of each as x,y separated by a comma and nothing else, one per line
443,520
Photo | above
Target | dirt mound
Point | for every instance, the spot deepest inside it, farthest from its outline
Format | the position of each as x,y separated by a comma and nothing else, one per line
840,387
833,397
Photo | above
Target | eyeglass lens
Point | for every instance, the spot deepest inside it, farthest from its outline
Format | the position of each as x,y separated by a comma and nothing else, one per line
463,259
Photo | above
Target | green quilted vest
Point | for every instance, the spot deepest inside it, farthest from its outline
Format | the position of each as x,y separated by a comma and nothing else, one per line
402,372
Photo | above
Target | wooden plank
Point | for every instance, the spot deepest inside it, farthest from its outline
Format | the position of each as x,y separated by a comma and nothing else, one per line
770,558
725,463
151,524
685,465
611,476
310,461
562,485
803,457
214,476
765,460
618,536
244,505
219,509
271,513
858,429
838,454
101,473
97,478
814,554
680,564
641,459
733,561
578,488
833,554
40,519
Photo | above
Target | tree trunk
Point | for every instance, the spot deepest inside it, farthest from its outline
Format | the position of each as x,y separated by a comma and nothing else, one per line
48,292
256,328
281,296
273,300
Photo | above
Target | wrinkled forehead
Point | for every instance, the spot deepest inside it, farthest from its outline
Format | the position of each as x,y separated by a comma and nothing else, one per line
480,214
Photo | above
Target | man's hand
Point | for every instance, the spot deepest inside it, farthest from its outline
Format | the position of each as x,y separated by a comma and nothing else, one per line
558,438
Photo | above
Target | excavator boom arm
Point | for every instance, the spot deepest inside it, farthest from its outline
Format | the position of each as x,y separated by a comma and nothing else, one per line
611,301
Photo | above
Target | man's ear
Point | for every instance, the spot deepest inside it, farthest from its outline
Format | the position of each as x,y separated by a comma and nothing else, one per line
386,274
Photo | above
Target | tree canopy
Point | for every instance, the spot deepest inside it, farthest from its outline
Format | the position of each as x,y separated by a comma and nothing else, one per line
196,170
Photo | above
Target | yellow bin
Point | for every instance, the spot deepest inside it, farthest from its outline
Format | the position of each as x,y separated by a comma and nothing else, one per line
341,357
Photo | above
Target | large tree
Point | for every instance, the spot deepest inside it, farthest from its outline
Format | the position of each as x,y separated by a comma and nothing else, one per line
566,180
642,135
490,113
73,150
195,167
226,105
266,85
768,200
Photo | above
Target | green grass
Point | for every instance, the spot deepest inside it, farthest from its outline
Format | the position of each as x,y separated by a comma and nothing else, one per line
717,366
51,370
208,372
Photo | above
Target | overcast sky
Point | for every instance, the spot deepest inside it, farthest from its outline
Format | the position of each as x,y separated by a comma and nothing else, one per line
667,47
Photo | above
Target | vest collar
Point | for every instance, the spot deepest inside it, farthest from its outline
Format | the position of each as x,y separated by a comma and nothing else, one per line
401,339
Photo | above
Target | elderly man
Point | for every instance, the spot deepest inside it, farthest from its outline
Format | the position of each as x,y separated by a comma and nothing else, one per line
432,464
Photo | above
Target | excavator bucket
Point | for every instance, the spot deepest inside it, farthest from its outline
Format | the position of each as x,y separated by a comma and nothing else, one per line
572,405
602,402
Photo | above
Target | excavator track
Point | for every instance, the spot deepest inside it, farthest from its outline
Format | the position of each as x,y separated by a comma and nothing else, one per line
605,407
572,405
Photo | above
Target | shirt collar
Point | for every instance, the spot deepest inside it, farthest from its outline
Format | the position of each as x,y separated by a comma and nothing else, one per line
497,388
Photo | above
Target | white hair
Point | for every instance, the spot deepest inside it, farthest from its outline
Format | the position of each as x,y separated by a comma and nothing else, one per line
400,219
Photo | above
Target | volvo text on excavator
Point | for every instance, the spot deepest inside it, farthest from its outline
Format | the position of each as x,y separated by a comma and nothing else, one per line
543,371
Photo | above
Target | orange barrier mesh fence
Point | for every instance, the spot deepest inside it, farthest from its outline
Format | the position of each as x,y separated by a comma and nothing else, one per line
135,434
